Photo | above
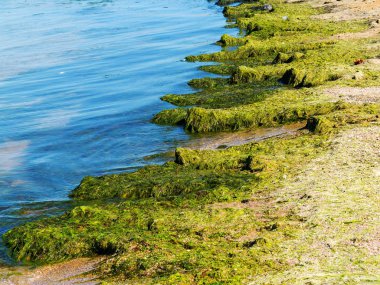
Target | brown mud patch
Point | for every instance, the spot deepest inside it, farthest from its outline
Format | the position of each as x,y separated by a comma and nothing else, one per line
72,272
350,10
228,139
359,95
354,94
346,9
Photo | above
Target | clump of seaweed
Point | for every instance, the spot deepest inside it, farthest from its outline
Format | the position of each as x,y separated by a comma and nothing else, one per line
279,108
160,182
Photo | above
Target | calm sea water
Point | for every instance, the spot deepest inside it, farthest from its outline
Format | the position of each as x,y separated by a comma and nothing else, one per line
80,81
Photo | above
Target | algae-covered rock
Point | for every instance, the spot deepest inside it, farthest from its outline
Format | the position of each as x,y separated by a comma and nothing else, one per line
227,40
254,164
222,96
200,120
207,82
161,182
253,27
306,77
216,160
287,58
229,2
319,125
219,69
282,58
296,56
171,117
244,74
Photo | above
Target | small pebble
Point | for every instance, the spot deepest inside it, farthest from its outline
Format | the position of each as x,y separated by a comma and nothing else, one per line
268,7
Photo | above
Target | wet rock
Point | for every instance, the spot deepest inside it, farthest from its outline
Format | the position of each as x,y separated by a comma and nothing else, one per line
375,24
282,58
265,7
253,27
268,7
359,75
254,164
258,241
272,227
319,125
229,2
305,196
359,61
286,58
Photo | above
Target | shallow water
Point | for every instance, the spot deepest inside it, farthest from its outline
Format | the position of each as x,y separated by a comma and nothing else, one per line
79,82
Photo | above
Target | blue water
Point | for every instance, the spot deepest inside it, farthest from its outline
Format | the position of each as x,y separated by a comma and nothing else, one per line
80,81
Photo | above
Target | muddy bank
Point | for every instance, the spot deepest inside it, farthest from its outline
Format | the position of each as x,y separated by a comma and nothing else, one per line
225,140
348,9
77,271
338,243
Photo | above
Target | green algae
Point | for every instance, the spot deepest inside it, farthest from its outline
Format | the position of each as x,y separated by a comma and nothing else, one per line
158,238
283,106
170,117
305,78
227,40
207,82
245,74
287,58
159,182
223,96
319,125
219,69
204,218
299,52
